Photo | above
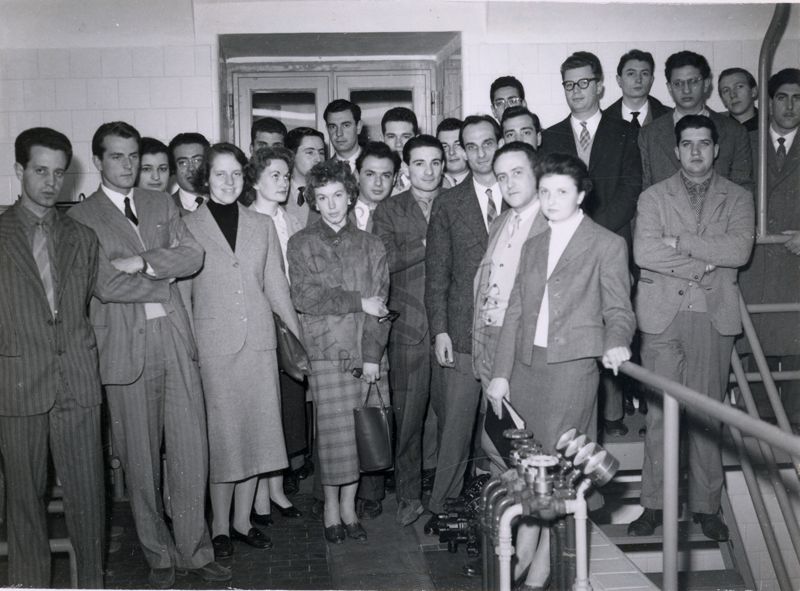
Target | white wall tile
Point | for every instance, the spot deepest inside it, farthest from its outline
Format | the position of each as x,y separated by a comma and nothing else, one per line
165,92
7,152
205,125
180,120
550,56
102,93
179,61
126,115
39,95
196,92
523,58
58,120
153,123
727,54
20,63
134,93
85,63
493,59
71,93
202,60
84,124
5,136
53,63
148,61
11,95
116,62
20,121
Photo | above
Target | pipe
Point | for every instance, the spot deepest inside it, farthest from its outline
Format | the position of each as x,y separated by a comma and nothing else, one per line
773,36
578,507
492,495
502,505
670,522
505,548
777,376
772,238
721,412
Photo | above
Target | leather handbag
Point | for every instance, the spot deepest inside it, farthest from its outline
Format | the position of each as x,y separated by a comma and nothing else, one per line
374,426
292,356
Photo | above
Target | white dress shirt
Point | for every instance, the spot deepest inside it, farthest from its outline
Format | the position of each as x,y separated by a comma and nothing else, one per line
788,138
483,199
188,200
363,212
591,124
627,113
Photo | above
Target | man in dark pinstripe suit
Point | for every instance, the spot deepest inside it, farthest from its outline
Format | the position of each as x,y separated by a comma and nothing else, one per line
49,380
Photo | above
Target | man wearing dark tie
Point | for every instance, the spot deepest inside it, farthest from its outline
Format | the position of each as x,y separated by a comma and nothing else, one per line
635,75
308,147
456,240
187,155
343,122
148,358
49,382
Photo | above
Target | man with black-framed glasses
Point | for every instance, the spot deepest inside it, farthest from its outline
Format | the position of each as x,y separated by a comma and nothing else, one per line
506,92
186,157
608,148
689,83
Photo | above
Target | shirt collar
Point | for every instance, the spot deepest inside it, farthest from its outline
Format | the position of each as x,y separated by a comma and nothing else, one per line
789,137
30,218
188,200
700,188
329,233
643,111
530,211
677,116
591,123
567,226
117,198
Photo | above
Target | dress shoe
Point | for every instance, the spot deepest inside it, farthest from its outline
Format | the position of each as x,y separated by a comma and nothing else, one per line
367,509
712,526
291,486
409,511
427,479
223,547
335,533
162,578
290,511
355,531
473,568
262,519
254,537
616,428
306,470
646,523
432,526
213,572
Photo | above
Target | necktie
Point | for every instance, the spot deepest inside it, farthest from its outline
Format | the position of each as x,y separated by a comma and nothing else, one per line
491,209
42,258
781,154
584,137
635,119
198,200
425,206
514,225
300,197
129,212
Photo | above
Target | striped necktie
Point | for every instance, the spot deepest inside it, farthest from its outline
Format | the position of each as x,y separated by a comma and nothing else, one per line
491,208
42,258
584,138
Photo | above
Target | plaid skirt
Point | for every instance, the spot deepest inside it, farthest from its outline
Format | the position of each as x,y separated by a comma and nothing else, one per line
335,394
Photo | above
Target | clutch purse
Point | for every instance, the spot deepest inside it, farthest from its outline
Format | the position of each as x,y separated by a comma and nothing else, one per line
374,434
292,356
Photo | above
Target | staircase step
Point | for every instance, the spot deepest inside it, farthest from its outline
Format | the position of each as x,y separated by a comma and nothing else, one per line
688,531
704,580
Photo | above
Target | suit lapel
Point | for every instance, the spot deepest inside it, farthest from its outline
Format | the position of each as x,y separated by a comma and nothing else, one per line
470,210
580,242
206,223
113,217
244,233
18,245
417,218
67,249
791,163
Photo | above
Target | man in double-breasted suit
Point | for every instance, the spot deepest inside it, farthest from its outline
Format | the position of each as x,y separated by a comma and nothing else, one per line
456,241
693,231
635,75
608,148
401,222
49,381
689,82
148,358
186,156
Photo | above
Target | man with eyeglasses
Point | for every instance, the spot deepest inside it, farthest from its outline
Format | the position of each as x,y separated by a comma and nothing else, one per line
456,240
689,81
608,148
506,92
187,155
635,75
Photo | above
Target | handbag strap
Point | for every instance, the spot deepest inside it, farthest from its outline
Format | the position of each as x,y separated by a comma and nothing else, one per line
369,392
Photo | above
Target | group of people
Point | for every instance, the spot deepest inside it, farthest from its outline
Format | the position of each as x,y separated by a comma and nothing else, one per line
492,263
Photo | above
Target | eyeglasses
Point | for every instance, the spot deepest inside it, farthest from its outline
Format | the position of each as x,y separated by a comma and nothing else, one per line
690,83
583,83
195,161
511,101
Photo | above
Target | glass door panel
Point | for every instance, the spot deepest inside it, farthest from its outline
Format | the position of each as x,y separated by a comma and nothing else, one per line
374,103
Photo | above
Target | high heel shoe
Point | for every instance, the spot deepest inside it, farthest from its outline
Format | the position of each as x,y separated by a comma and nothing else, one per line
290,511
254,537
262,519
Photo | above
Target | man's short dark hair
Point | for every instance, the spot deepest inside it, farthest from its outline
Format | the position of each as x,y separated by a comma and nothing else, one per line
295,137
503,82
638,55
340,105
526,149
40,136
150,145
267,125
565,164
695,122
183,139
475,119
751,81
519,111
403,114
421,141
117,128
785,76
378,150
327,172
687,58
581,59
449,124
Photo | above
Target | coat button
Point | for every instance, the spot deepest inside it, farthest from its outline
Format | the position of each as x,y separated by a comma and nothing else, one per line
235,264
680,292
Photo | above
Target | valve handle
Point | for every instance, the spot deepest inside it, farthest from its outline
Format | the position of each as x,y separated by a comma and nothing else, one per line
541,461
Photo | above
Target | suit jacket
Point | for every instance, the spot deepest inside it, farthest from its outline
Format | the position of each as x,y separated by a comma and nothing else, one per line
231,298
456,240
34,344
614,167
479,338
117,310
399,222
657,144
723,237
656,110
589,300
